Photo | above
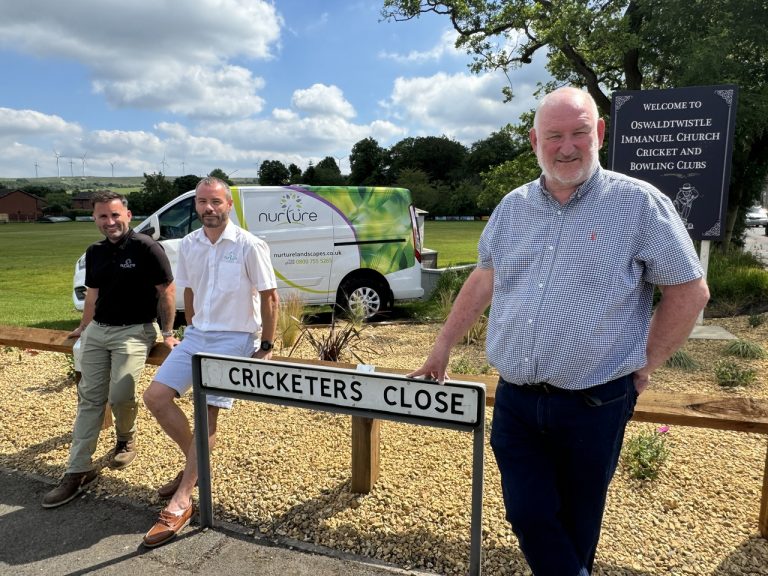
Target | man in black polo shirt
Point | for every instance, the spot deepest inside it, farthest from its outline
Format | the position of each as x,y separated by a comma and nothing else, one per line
130,284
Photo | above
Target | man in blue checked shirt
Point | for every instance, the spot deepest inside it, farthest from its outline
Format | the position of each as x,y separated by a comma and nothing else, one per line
568,264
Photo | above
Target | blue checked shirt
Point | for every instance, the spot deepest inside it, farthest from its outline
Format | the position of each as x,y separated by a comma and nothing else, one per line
573,283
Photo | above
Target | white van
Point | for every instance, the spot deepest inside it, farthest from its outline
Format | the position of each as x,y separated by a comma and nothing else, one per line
351,246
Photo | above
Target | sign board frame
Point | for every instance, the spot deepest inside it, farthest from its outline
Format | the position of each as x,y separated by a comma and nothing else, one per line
356,393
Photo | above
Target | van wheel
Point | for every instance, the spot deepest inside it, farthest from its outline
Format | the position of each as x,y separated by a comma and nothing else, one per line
368,295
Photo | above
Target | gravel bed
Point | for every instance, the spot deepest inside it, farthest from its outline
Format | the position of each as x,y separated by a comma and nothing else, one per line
285,472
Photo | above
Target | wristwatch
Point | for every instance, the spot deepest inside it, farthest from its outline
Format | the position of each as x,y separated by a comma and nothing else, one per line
266,345
167,333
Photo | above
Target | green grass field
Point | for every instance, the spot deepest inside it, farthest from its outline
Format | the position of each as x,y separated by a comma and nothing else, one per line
37,262
36,266
455,242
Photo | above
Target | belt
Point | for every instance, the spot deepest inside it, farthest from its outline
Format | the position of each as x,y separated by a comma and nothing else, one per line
105,325
542,388
549,389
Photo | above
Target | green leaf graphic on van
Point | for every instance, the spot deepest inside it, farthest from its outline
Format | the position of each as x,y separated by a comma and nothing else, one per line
380,218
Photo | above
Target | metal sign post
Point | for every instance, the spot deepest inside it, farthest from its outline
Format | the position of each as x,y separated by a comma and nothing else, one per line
454,405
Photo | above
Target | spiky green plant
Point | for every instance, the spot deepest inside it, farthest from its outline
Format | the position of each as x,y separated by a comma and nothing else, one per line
745,349
290,319
681,360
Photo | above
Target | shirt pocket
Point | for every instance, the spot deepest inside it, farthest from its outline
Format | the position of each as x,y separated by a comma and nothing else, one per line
229,276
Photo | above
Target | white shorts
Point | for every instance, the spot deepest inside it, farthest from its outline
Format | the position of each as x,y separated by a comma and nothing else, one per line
176,370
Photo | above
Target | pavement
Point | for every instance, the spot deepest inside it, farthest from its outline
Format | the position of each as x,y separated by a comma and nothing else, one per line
103,536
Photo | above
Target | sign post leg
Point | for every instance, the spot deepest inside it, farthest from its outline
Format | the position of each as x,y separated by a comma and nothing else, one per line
203,459
478,448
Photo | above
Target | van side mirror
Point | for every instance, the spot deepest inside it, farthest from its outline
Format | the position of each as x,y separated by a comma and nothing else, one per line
149,231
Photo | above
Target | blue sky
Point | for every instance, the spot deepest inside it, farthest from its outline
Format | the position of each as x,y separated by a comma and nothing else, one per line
204,84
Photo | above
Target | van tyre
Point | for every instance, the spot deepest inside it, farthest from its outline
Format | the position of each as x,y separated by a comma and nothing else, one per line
370,294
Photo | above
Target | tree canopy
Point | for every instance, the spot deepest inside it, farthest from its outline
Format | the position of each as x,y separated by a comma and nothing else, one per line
628,45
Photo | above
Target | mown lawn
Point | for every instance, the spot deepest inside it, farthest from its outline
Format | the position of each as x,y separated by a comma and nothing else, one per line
37,263
36,266
455,242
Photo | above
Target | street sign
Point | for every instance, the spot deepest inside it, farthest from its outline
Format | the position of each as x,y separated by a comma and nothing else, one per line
362,393
377,393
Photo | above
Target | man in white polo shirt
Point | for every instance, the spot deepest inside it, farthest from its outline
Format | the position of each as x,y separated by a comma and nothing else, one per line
230,298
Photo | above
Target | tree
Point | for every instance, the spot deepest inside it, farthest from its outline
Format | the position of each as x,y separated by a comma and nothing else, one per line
273,173
629,45
221,175
294,174
367,163
423,193
327,173
155,192
186,183
498,148
441,158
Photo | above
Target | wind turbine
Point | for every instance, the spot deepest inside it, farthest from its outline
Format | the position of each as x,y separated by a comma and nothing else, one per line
71,170
36,167
58,174
113,168
182,167
84,155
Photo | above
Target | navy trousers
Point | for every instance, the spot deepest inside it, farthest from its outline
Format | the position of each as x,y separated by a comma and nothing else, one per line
557,451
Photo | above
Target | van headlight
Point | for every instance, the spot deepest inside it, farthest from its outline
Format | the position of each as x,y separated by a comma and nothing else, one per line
81,262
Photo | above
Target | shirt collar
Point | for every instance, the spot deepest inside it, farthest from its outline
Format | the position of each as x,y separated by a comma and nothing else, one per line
584,188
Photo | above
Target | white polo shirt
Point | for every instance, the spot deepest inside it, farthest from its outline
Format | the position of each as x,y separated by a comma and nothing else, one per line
225,278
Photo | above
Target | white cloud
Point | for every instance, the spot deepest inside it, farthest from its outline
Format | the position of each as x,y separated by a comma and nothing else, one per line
156,55
445,47
320,100
14,123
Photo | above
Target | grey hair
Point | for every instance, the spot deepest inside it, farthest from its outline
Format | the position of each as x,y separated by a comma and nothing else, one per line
213,182
574,94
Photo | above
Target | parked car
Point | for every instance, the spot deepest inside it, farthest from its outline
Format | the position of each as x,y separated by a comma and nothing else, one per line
53,219
757,216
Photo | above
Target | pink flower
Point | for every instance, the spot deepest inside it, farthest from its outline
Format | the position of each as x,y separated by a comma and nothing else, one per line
662,429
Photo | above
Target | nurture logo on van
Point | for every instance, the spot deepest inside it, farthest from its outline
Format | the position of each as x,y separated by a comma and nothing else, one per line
291,212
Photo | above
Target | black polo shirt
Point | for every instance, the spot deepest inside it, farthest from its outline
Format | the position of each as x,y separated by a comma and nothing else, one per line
126,274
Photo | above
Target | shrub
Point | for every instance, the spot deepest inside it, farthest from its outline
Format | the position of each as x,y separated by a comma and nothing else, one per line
290,320
644,454
338,342
730,374
755,320
464,365
738,283
681,360
476,332
745,349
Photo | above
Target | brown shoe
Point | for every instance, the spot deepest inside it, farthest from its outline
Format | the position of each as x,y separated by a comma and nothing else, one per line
169,489
70,486
167,526
123,454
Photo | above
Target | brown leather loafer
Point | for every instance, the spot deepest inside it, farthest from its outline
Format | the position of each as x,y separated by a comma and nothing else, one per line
167,526
169,489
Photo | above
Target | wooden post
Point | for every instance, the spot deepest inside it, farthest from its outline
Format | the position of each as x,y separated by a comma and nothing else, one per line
704,259
365,453
763,520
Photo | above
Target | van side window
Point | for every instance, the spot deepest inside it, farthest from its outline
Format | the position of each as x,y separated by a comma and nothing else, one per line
179,220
